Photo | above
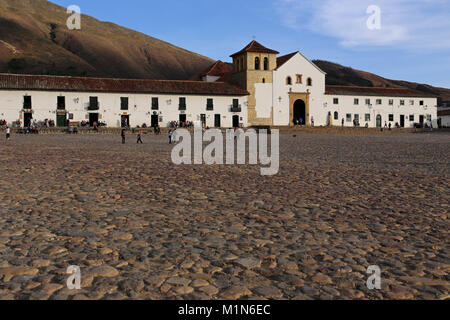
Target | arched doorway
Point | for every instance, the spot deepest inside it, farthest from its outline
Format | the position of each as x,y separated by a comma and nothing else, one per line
379,121
300,112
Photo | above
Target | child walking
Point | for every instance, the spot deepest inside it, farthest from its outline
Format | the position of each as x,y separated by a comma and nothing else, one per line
123,136
139,137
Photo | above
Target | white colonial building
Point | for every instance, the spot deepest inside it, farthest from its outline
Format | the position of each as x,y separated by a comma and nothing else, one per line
120,101
291,90
257,89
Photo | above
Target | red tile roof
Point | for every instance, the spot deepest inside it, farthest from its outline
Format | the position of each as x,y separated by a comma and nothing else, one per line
254,47
56,83
370,91
219,69
283,59
442,113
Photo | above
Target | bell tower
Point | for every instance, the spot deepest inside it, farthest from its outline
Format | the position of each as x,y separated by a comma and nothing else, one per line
254,64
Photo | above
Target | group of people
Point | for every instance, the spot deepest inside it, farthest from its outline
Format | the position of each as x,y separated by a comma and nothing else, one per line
123,134
178,124
301,122
94,124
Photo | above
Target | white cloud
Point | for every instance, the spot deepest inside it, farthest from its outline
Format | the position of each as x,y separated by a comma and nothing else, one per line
413,24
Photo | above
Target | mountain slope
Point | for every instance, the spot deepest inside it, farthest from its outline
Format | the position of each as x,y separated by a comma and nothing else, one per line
34,39
346,76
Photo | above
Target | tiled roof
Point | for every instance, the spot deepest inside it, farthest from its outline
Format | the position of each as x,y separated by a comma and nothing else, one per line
442,113
56,83
218,69
255,46
283,59
370,91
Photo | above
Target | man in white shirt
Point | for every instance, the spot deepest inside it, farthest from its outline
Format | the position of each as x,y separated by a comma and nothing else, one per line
8,133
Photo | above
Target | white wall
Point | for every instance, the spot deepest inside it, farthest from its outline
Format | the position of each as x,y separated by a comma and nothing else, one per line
298,64
44,107
263,95
445,121
346,106
321,104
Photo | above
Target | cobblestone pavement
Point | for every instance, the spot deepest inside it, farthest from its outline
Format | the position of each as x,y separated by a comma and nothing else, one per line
140,227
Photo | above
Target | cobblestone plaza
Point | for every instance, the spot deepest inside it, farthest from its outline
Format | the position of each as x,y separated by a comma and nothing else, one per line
140,227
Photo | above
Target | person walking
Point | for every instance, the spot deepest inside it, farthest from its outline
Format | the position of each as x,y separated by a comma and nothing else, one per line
170,136
123,136
312,121
8,133
175,136
139,137
343,122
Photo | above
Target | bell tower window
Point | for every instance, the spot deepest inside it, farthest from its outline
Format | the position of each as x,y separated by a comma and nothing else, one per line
266,64
257,63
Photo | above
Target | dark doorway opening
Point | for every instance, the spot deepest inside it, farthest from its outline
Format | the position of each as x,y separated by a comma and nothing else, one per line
155,121
125,121
203,119
93,117
379,121
27,117
402,121
183,119
300,112
422,121
61,120
217,121
236,122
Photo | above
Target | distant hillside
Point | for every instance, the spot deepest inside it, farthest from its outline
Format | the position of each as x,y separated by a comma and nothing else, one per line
34,39
340,75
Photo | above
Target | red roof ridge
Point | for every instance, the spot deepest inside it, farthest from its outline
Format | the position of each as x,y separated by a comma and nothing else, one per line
98,78
285,58
86,84
376,91
255,46
353,86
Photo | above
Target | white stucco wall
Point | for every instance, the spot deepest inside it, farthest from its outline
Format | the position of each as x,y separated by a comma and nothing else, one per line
263,94
140,107
321,104
298,64
445,121
346,106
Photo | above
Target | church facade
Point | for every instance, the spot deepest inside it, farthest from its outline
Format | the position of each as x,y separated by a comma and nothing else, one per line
257,89
291,90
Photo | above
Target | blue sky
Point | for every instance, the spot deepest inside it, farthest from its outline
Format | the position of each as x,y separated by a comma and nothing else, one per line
412,44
